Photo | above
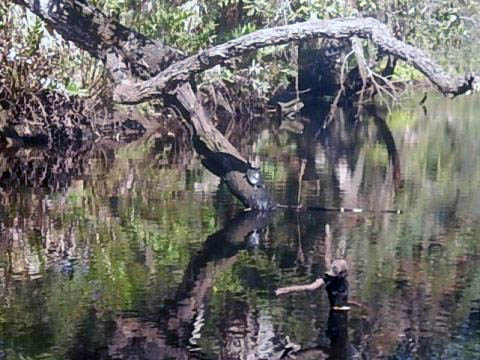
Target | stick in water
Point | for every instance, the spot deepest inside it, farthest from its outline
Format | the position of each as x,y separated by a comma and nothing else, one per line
342,209
353,210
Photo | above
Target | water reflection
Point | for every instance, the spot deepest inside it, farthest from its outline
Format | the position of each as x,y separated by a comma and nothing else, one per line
137,252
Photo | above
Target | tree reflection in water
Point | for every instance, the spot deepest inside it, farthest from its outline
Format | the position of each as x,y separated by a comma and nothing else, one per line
135,252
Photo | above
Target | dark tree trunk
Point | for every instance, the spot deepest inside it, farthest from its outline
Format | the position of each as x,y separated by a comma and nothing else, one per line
219,155
123,51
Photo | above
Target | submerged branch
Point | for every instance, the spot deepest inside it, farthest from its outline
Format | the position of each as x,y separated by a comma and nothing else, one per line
365,28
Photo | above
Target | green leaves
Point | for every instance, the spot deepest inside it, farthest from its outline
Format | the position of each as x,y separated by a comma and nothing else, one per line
34,37
262,8
73,88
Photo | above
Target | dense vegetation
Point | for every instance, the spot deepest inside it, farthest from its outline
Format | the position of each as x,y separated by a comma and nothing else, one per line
34,59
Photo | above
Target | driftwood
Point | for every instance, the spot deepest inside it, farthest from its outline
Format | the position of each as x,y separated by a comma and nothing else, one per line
143,69
290,108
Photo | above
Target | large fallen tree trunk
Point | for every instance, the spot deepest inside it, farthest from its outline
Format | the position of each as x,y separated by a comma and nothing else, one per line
129,55
143,69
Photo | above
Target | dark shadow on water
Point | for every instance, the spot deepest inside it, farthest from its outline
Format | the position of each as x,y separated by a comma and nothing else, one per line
337,333
172,333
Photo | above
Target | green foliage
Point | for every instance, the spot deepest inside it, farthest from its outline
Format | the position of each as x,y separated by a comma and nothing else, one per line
229,282
27,62
405,71
188,27
182,27
20,64
261,8
34,37
244,29
74,88
33,60
440,27
327,9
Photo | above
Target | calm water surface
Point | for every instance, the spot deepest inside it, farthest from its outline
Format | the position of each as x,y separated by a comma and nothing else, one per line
138,252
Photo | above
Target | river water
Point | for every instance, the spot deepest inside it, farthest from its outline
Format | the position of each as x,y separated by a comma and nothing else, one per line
137,252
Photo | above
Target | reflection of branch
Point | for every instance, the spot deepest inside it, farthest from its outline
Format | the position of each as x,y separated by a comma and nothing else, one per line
341,210
328,247
389,141
300,253
182,317
220,249
300,177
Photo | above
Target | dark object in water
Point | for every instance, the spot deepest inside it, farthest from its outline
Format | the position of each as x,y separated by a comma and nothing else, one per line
337,285
3,354
337,332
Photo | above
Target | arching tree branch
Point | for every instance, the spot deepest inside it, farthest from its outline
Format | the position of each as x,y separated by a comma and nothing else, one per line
366,28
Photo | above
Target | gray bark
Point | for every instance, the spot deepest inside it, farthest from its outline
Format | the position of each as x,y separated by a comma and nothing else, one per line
124,52
365,28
